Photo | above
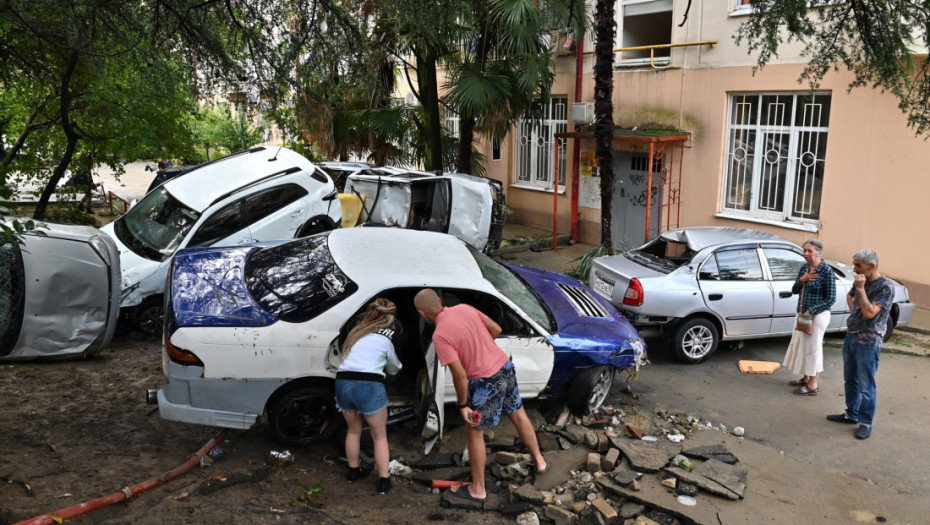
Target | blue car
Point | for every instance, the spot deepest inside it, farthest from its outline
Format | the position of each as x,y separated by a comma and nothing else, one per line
254,333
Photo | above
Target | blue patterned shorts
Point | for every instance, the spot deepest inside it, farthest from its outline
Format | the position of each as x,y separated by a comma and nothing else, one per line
495,396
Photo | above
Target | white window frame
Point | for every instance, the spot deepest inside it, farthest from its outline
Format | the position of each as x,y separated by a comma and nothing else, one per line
619,61
799,180
534,156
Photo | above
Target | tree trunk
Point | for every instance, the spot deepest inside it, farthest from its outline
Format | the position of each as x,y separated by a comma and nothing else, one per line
466,139
65,97
605,33
429,97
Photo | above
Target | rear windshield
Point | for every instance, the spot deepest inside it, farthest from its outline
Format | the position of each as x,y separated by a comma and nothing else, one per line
156,226
12,296
297,281
662,255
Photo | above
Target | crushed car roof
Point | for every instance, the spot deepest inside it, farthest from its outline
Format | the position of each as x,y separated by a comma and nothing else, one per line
701,237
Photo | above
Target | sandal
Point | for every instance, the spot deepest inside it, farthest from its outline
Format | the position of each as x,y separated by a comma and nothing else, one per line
462,492
806,391
797,382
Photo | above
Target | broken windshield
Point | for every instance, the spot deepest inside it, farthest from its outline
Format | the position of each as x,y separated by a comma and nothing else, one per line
156,226
514,288
298,280
662,255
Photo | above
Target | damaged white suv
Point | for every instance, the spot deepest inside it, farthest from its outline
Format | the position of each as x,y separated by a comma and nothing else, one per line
255,195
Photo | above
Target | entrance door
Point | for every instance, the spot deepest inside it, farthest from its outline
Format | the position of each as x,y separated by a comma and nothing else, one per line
631,198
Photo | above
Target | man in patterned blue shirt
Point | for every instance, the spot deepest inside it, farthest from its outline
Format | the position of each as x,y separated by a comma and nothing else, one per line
870,303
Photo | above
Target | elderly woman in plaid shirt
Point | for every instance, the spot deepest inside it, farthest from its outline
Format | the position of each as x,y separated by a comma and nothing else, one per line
805,352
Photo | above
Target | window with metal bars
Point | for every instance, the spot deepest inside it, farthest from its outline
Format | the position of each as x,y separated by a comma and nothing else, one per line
776,146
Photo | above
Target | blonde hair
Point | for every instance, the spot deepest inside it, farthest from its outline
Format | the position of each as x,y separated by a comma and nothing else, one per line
379,314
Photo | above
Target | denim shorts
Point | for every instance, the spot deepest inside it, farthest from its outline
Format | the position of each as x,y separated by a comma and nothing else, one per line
364,397
495,396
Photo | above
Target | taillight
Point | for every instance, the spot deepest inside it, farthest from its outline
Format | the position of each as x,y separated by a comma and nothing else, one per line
179,355
634,294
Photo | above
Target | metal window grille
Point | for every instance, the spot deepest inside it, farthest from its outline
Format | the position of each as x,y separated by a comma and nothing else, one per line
536,143
776,146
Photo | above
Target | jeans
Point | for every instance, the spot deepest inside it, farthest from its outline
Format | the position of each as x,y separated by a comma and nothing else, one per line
860,362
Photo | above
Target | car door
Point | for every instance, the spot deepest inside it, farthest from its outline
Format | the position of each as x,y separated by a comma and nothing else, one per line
224,227
733,288
784,265
277,212
532,354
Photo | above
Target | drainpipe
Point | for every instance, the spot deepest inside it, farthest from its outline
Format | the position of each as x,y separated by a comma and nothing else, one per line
576,144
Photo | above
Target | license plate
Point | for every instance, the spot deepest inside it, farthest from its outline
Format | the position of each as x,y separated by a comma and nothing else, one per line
604,287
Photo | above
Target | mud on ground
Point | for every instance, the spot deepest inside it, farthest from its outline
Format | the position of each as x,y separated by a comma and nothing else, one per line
74,431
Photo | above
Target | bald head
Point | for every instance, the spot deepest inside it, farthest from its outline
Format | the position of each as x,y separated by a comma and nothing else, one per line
428,304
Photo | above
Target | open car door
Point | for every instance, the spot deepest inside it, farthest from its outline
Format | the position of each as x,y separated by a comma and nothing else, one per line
434,387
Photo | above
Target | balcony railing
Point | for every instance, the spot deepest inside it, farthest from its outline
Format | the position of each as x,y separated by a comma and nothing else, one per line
652,51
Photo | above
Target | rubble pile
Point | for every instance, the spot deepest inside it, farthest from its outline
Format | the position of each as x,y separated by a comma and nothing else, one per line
597,467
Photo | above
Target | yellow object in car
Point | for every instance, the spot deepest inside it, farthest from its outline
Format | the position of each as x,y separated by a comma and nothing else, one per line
351,209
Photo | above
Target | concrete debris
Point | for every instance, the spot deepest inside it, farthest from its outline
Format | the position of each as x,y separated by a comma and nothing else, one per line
643,520
738,431
715,477
594,462
528,518
718,452
686,489
517,508
559,515
626,477
509,458
635,486
609,513
645,456
669,482
610,459
591,440
574,433
631,510
396,468
530,494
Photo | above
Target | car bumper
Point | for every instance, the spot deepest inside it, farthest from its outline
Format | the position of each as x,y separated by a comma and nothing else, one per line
905,313
184,413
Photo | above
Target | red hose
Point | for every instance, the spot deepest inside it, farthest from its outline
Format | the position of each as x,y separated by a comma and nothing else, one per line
126,493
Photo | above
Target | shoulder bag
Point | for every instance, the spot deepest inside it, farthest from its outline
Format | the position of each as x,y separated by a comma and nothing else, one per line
805,322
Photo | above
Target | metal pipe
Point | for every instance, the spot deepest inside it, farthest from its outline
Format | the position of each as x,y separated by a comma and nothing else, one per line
58,516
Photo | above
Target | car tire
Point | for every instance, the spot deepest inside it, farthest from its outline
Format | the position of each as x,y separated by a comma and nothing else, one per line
149,317
304,414
589,389
695,339
889,328
318,224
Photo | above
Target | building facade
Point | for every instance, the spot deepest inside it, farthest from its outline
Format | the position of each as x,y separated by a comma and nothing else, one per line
762,151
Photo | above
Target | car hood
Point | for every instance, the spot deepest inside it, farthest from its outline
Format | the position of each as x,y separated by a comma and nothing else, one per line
133,268
208,289
578,312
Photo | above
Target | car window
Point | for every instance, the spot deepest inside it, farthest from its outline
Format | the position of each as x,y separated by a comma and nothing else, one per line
225,222
12,296
784,264
298,280
264,203
155,227
739,265
709,270
514,288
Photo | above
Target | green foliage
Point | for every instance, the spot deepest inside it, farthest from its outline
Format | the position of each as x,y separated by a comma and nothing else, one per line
874,39
582,269
311,496
220,130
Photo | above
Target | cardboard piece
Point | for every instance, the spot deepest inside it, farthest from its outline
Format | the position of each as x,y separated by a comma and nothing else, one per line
758,367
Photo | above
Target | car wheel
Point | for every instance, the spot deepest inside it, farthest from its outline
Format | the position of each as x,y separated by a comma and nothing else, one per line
589,389
695,339
149,317
889,328
318,224
303,415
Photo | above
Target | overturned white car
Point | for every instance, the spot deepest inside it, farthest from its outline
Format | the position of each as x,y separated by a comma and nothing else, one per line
468,207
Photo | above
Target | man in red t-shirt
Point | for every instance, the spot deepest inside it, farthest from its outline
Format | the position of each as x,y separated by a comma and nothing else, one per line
484,380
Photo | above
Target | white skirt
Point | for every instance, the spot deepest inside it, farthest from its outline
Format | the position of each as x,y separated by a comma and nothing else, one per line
805,352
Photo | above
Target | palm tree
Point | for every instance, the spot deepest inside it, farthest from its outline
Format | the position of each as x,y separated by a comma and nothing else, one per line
605,33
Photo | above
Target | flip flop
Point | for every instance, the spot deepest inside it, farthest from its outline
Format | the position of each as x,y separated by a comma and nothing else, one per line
797,382
462,492
805,391
543,470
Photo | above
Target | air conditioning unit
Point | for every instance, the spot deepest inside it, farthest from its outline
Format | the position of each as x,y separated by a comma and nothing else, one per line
582,112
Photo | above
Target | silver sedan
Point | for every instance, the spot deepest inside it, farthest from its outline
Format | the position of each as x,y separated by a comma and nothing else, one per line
699,286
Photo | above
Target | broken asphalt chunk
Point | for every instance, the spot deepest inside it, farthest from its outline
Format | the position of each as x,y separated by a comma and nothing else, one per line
718,452
646,456
715,477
